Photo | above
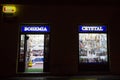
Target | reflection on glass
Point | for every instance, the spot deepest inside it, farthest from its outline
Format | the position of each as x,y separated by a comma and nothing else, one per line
92,47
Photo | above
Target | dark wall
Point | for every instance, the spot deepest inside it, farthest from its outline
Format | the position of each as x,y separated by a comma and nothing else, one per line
64,22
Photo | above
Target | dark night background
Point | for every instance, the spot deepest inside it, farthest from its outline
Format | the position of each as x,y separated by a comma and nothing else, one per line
64,18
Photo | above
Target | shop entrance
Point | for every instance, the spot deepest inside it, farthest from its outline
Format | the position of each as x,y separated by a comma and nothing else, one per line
34,50
35,53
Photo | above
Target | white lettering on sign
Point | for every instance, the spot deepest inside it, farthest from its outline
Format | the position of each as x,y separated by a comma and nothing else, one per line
92,28
35,29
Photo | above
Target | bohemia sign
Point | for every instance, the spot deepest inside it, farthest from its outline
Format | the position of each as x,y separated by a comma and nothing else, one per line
40,28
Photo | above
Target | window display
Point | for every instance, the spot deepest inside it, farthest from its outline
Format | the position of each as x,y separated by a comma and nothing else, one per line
92,47
93,44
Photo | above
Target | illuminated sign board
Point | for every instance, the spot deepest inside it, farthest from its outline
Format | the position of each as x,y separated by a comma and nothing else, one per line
92,29
9,9
35,28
